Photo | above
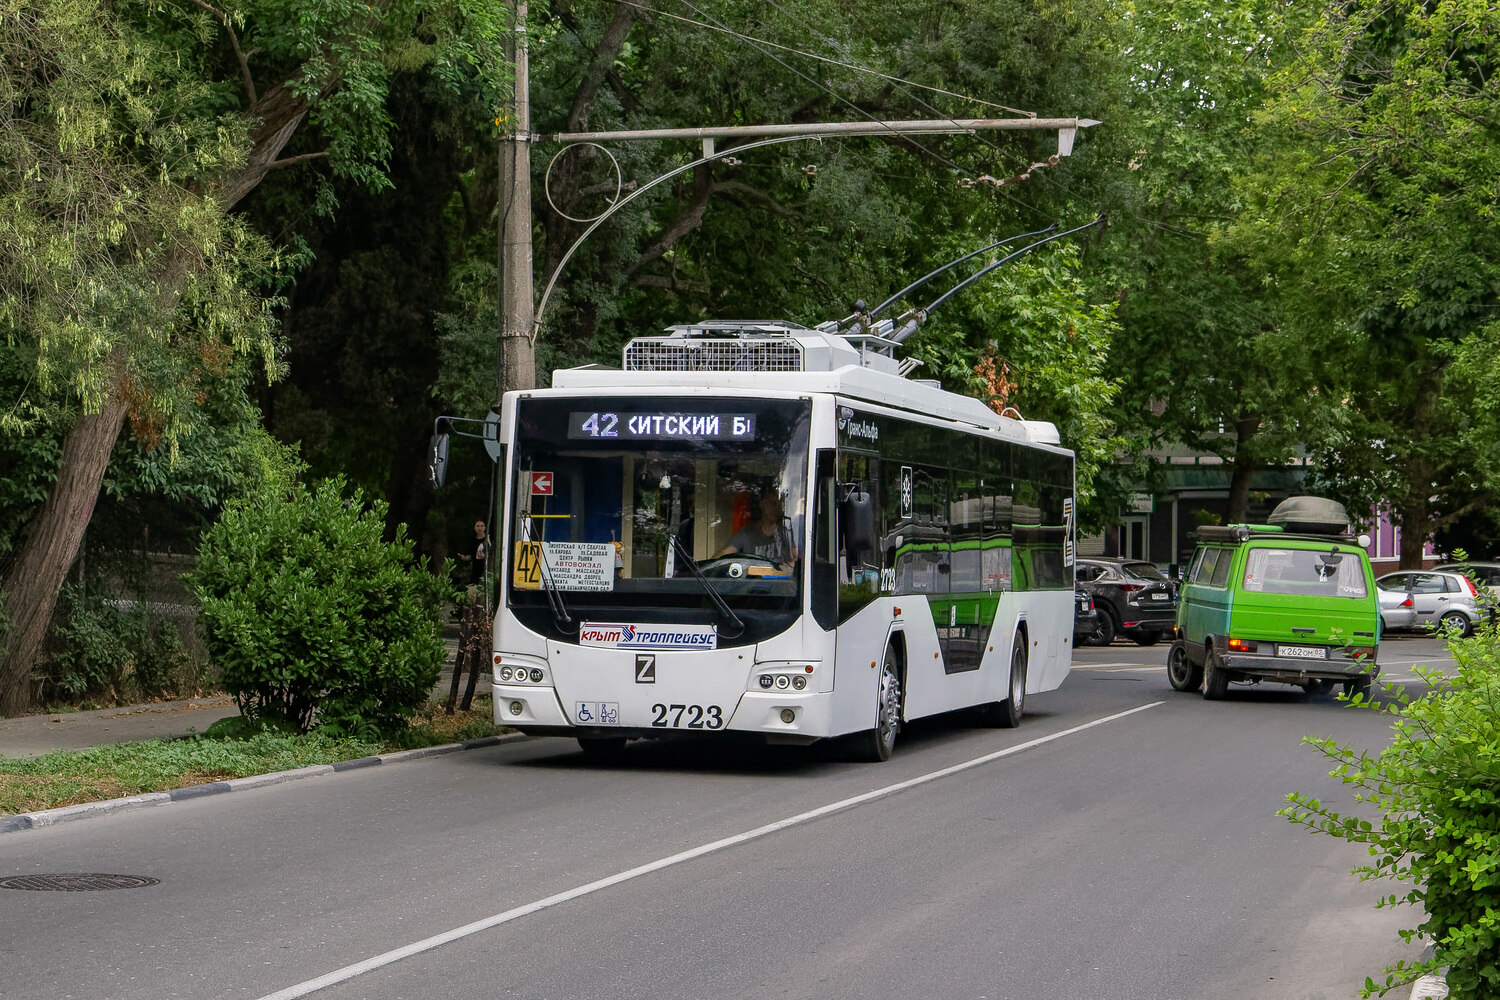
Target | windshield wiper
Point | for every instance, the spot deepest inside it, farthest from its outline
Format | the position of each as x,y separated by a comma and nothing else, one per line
554,596
714,595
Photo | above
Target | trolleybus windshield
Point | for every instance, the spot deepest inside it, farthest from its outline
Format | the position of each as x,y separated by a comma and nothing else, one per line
619,500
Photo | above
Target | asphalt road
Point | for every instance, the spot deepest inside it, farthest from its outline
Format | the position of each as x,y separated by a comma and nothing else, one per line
1121,843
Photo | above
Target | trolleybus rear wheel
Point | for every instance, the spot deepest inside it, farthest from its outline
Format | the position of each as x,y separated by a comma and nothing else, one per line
1008,713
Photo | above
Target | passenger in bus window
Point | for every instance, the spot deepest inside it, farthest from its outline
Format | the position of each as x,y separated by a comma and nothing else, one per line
767,537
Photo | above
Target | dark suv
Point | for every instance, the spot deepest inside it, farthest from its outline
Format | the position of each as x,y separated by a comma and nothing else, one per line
1133,597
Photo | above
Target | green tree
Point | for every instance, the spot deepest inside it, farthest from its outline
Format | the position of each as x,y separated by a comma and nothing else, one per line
1207,356
129,133
1375,213
1028,340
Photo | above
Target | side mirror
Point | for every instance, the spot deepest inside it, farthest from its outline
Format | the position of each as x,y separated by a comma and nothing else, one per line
857,518
437,461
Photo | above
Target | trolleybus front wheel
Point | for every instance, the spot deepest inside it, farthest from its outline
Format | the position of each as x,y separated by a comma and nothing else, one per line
875,745
601,749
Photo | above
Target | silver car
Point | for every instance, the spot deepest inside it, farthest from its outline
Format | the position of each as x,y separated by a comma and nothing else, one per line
1487,574
1397,609
1446,600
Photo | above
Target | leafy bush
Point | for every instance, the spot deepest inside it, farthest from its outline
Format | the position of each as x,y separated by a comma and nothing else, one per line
1437,790
314,619
115,650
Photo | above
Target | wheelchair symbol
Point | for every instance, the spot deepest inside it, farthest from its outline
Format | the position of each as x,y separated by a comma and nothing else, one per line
585,711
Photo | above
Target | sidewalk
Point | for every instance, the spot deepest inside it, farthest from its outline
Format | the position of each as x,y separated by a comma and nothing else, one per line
35,735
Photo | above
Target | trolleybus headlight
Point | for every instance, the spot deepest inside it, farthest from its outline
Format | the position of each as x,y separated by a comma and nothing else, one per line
799,683
766,680
505,673
782,680
536,675
788,716
516,708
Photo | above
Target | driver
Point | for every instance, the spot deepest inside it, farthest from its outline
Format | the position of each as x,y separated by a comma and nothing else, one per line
767,538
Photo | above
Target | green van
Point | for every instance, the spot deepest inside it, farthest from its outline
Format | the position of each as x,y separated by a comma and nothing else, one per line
1292,601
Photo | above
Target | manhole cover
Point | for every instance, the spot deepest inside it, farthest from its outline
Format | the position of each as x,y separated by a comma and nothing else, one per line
75,882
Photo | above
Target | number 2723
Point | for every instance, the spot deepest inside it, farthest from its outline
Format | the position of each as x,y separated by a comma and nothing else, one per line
687,716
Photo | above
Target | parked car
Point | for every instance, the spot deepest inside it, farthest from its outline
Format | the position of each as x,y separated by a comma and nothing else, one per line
1132,596
1085,616
1447,600
1397,610
1292,601
1486,573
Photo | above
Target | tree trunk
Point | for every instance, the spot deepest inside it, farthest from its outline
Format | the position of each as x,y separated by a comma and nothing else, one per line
1245,428
1414,529
34,581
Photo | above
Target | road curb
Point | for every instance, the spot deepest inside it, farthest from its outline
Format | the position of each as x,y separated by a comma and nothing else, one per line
86,810
1434,987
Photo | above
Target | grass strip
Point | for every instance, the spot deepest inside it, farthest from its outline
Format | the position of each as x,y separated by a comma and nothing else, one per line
70,777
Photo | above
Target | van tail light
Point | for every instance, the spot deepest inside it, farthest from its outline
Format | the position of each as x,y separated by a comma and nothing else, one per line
1359,652
1241,646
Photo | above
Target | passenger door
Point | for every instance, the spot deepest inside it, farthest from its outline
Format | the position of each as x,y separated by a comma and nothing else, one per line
1429,595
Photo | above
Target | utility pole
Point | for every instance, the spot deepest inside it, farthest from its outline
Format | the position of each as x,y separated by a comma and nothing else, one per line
519,317
517,356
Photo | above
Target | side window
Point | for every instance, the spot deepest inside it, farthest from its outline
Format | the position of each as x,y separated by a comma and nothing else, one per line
1428,583
1194,565
1205,571
1395,584
859,577
1087,574
1221,568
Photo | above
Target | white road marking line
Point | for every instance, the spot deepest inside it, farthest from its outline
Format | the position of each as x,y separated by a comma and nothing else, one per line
1103,666
427,944
1115,668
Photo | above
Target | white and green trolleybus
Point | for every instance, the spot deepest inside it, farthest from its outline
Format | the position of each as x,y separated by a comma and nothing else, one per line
767,529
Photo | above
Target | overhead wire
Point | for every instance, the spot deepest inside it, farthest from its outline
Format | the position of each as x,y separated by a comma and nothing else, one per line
838,97
1046,179
823,37
813,55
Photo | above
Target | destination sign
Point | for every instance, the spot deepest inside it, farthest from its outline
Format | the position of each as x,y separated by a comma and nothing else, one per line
603,425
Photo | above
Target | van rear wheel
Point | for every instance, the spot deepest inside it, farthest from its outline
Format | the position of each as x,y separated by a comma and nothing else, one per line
1215,680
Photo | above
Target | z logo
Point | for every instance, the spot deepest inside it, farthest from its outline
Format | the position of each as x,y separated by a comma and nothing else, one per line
645,668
